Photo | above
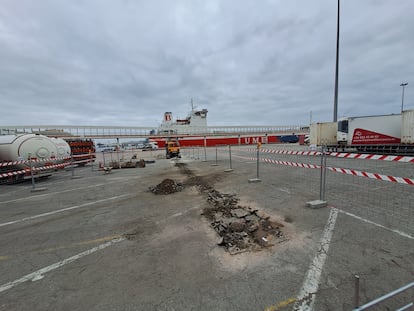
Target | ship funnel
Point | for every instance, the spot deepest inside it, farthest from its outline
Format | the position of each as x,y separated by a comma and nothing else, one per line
167,117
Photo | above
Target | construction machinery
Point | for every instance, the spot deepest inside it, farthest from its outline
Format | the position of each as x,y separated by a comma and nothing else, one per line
172,148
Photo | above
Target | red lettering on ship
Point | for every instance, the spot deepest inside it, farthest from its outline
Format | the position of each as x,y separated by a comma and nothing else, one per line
365,137
254,140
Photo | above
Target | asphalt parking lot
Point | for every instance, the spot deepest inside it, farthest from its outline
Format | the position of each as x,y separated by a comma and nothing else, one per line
105,242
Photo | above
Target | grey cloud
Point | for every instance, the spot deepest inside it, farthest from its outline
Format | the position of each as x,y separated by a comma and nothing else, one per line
271,62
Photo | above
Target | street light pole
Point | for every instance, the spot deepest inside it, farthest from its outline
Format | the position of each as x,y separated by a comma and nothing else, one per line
335,113
402,97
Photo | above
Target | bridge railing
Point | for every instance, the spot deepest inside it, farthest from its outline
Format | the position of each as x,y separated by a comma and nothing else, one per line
122,131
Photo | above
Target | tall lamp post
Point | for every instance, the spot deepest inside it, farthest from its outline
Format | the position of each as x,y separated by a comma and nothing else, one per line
335,113
402,97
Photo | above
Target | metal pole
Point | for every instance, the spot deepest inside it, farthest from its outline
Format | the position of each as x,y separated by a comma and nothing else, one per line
335,113
257,163
402,97
119,161
31,171
215,164
205,151
323,175
91,160
71,165
356,291
385,297
230,157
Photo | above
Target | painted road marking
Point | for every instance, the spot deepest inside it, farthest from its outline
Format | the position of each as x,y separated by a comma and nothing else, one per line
39,274
95,241
50,193
280,305
62,210
406,235
82,243
307,294
124,179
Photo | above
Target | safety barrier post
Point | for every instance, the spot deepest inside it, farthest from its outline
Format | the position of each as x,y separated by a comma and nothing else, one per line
322,183
34,189
91,159
356,291
257,179
231,168
119,161
205,150
31,172
323,175
73,167
198,153
215,164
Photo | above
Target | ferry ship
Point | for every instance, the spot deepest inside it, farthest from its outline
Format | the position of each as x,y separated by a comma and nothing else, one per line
193,131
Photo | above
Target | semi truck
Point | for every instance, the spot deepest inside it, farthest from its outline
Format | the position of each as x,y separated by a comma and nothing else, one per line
382,134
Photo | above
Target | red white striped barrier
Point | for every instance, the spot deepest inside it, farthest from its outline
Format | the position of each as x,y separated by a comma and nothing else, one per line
346,155
13,163
307,153
400,180
294,164
27,170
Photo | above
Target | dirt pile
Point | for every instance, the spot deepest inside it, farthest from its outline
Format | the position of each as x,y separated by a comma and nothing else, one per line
167,186
241,228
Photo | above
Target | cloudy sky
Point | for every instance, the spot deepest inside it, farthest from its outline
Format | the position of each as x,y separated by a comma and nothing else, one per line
267,62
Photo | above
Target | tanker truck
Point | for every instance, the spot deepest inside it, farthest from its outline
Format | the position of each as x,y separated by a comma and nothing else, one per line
19,152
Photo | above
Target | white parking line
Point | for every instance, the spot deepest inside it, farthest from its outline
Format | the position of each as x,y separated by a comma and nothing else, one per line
50,193
39,274
62,210
307,294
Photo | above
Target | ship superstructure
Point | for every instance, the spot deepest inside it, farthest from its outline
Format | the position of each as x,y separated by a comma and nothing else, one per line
194,123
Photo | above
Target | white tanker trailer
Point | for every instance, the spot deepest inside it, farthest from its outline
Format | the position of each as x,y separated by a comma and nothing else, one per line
63,148
20,148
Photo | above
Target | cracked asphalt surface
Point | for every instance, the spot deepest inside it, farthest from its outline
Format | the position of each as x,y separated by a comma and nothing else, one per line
168,257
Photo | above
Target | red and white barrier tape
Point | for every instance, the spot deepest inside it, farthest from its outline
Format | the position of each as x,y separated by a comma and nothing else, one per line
35,169
294,164
400,180
307,153
346,155
13,163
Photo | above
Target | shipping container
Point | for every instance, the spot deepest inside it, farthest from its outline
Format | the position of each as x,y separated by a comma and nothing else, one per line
323,133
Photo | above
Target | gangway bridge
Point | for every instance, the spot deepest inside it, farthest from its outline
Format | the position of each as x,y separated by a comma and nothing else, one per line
114,132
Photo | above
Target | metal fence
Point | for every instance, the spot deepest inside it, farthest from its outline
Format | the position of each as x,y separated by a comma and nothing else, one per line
375,189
